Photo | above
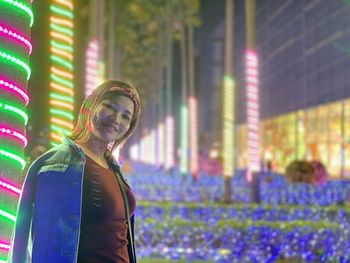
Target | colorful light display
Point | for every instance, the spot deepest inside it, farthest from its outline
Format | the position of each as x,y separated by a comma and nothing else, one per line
228,126
184,140
160,145
192,103
9,187
92,67
252,94
170,142
19,92
15,48
61,84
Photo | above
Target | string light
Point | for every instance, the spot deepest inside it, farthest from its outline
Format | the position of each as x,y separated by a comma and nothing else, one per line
15,134
62,85
7,215
14,157
16,61
7,107
192,104
10,187
16,37
13,88
184,140
92,67
22,7
228,126
170,143
252,112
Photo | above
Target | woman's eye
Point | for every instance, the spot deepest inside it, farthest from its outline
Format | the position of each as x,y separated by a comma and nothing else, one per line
126,117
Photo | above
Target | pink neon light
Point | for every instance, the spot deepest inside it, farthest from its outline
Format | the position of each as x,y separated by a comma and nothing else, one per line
15,134
10,187
170,152
4,246
92,67
16,36
252,94
193,136
13,88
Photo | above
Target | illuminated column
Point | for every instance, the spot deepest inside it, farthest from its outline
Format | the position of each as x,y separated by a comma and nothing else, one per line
192,103
184,140
15,49
134,151
92,66
228,107
252,111
160,144
61,84
170,142
228,147
252,92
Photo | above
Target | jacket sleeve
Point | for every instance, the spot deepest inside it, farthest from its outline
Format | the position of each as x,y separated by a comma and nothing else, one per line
19,245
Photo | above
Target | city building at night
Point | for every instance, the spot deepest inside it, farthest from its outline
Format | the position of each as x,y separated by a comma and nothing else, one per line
304,65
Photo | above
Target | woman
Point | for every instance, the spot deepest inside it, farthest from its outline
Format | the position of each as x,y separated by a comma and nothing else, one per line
75,201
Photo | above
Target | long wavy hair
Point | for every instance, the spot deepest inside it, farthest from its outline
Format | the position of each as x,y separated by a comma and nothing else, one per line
81,130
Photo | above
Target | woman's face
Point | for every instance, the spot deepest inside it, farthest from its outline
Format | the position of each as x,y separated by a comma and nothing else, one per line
112,118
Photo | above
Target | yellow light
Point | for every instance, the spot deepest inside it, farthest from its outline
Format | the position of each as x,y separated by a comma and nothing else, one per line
60,21
62,104
228,145
60,122
62,53
65,3
62,37
61,88
61,73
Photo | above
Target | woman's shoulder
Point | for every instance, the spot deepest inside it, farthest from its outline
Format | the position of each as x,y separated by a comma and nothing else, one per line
62,153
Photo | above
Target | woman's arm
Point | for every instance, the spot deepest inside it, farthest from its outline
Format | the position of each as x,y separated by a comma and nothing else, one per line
19,244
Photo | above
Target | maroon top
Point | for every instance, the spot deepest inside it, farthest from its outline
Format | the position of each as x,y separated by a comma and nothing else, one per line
103,232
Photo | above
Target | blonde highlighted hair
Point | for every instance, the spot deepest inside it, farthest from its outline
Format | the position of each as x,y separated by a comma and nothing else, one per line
81,131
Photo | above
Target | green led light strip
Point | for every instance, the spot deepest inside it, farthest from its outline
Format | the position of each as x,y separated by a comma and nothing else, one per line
7,215
12,156
62,81
8,107
17,61
62,29
62,62
62,113
57,96
61,11
59,129
61,46
22,7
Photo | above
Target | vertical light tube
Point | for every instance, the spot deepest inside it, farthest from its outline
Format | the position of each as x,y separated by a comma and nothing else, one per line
252,94
92,67
228,126
160,145
192,103
15,49
184,140
170,142
61,83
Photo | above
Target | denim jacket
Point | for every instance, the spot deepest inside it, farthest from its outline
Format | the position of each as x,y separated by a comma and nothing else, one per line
49,209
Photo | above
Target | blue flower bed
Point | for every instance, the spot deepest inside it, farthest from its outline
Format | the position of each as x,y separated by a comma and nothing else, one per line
154,184
237,241
211,213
